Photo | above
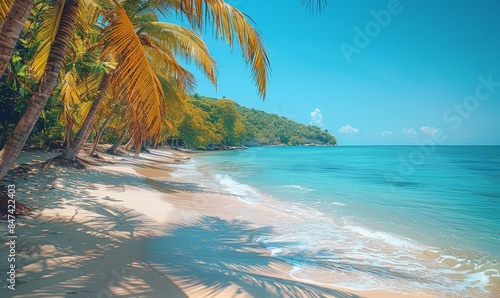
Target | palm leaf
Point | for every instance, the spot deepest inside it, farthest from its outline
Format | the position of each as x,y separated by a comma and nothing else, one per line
83,109
175,98
45,37
233,26
164,61
140,85
4,8
89,14
69,96
182,42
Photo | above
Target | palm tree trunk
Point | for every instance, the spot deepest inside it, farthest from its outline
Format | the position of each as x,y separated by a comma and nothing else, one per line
72,150
119,141
67,137
99,135
138,150
49,80
11,29
130,143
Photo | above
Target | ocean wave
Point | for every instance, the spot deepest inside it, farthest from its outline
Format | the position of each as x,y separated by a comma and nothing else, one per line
385,237
324,246
242,191
338,203
360,258
302,188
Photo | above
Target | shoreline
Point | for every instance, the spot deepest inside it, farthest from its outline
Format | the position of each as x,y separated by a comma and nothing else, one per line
95,229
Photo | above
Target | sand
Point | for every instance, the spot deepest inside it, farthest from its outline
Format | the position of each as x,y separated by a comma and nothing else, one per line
126,228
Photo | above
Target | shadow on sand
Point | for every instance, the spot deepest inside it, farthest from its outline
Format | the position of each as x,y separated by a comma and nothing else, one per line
64,256
210,255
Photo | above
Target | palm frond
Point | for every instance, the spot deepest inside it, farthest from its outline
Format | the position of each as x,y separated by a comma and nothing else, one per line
45,37
164,61
140,85
184,42
69,96
83,109
5,6
175,99
233,26
89,13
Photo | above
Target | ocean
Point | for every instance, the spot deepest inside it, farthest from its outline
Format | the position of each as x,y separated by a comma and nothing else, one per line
406,218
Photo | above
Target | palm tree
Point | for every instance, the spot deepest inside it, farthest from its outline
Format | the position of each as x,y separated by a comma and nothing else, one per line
47,83
119,141
83,75
161,41
144,91
144,87
110,112
12,25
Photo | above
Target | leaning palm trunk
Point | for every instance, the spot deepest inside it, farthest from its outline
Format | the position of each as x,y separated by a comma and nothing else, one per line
119,141
70,153
130,143
11,29
99,135
49,80
141,148
67,137
138,150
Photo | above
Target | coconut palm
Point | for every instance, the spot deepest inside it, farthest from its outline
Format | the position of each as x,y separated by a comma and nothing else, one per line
161,42
82,77
108,111
141,57
13,20
47,83
139,69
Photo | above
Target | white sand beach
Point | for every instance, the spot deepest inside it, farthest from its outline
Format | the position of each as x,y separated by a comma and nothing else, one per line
90,231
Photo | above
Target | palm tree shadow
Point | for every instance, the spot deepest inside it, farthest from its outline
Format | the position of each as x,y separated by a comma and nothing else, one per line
213,254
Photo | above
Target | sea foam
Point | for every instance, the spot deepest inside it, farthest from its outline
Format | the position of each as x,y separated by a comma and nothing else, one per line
344,226
242,191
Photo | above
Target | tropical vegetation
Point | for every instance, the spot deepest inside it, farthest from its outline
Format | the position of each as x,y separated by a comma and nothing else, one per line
109,70
219,123
106,61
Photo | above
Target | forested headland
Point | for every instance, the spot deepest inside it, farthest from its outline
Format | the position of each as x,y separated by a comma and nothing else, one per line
222,122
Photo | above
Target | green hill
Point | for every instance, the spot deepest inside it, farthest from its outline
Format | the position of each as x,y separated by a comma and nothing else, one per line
210,121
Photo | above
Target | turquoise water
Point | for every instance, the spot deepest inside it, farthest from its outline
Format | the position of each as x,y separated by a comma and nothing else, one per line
402,217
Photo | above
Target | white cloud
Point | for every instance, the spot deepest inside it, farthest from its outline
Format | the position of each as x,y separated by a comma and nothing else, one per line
348,129
410,132
429,130
386,133
317,118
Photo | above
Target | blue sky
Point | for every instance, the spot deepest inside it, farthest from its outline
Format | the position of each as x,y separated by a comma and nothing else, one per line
375,72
